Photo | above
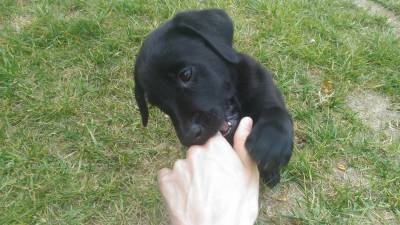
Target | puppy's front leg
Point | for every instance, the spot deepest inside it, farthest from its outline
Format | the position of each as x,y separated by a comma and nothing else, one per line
270,143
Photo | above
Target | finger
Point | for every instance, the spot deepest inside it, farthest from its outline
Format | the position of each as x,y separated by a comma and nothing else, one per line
218,143
214,139
168,188
239,140
179,165
195,157
164,175
181,174
219,148
165,181
194,152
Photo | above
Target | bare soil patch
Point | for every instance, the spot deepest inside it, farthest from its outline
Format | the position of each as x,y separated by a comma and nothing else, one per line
277,205
375,111
349,176
21,21
377,10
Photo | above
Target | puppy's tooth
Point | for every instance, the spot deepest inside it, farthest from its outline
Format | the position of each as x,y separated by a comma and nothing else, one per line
224,127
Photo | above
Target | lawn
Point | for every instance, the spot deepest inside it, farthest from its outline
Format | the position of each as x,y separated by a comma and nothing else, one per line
391,4
73,151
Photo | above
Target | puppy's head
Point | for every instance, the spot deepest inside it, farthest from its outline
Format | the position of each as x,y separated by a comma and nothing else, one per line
184,68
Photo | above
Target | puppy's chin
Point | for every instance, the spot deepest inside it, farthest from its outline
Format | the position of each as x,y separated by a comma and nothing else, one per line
219,119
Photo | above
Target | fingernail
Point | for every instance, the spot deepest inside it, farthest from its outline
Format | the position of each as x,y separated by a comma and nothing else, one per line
246,123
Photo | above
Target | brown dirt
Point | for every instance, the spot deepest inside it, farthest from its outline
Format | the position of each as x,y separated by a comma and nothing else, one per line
375,111
21,21
278,204
349,176
377,10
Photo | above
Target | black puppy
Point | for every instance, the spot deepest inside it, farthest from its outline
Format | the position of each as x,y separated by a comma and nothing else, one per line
188,68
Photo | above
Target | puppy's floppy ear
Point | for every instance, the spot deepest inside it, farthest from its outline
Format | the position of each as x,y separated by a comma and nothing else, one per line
141,100
214,26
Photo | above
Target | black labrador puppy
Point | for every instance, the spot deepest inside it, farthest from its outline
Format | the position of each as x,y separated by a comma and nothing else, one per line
188,68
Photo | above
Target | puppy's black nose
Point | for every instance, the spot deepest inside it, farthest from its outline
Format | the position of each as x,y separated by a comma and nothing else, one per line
193,135
194,132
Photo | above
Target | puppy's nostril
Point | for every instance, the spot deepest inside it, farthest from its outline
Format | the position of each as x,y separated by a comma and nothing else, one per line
197,133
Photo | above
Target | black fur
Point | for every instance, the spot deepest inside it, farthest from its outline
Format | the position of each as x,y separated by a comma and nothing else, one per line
221,78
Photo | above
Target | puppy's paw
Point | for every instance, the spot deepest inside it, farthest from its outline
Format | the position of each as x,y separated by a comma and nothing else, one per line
270,145
270,177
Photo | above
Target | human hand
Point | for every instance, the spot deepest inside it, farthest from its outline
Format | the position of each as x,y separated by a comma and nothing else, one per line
215,184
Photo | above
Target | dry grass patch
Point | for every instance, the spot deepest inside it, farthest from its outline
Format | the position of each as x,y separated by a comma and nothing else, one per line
375,111
22,21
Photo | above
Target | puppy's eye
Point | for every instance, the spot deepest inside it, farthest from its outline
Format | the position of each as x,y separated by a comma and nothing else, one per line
185,74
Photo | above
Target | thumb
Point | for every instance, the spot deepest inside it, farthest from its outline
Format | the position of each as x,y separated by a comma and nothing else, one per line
240,137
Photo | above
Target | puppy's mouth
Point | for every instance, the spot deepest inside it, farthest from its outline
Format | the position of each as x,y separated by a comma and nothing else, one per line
231,119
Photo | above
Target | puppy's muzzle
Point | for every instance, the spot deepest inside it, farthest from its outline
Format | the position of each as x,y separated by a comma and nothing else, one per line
193,135
197,132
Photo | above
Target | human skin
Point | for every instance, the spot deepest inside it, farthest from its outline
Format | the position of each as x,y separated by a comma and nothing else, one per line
216,183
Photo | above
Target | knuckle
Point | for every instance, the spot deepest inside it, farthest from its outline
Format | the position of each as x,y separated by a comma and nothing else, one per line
194,152
179,164
164,179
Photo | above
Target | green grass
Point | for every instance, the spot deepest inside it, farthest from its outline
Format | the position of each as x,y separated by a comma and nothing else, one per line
391,4
72,148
